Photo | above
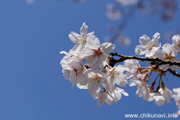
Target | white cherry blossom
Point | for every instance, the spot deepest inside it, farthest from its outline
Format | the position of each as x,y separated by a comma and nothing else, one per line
70,57
73,69
95,53
176,90
95,79
147,46
80,39
77,73
102,96
159,99
115,75
176,42
169,54
169,51
166,93
110,97
133,66
117,94
144,91
162,96
66,69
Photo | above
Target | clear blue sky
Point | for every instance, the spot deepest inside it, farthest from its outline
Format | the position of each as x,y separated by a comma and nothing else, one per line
32,86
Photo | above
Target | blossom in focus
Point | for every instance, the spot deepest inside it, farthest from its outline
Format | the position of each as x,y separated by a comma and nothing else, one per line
80,39
147,46
115,76
176,42
143,89
110,97
74,71
166,93
133,66
158,98
72,67
95,53
95,79
168,52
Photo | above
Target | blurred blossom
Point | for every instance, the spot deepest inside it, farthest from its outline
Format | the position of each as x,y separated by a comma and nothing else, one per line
164,9
112,12
127,2
108,39
30,1
122,40
81,1
168,35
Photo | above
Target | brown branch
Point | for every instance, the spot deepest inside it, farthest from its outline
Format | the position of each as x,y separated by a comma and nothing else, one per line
173,72
153,60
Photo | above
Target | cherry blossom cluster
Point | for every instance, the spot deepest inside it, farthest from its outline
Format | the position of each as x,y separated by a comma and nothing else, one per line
151,48
88,65
95,75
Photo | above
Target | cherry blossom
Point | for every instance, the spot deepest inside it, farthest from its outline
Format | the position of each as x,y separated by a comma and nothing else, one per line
166,93
168,53
80,39
110,97
95,78
133,66
115,75
147,46
95,53
143,89
176,42
159,99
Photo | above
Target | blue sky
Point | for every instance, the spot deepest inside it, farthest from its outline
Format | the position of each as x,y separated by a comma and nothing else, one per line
32,86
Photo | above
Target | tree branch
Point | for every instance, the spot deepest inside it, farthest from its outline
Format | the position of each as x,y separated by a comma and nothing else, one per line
153,60
173,72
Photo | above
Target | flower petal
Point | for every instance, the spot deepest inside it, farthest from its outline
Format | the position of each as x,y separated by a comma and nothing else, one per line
83,30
